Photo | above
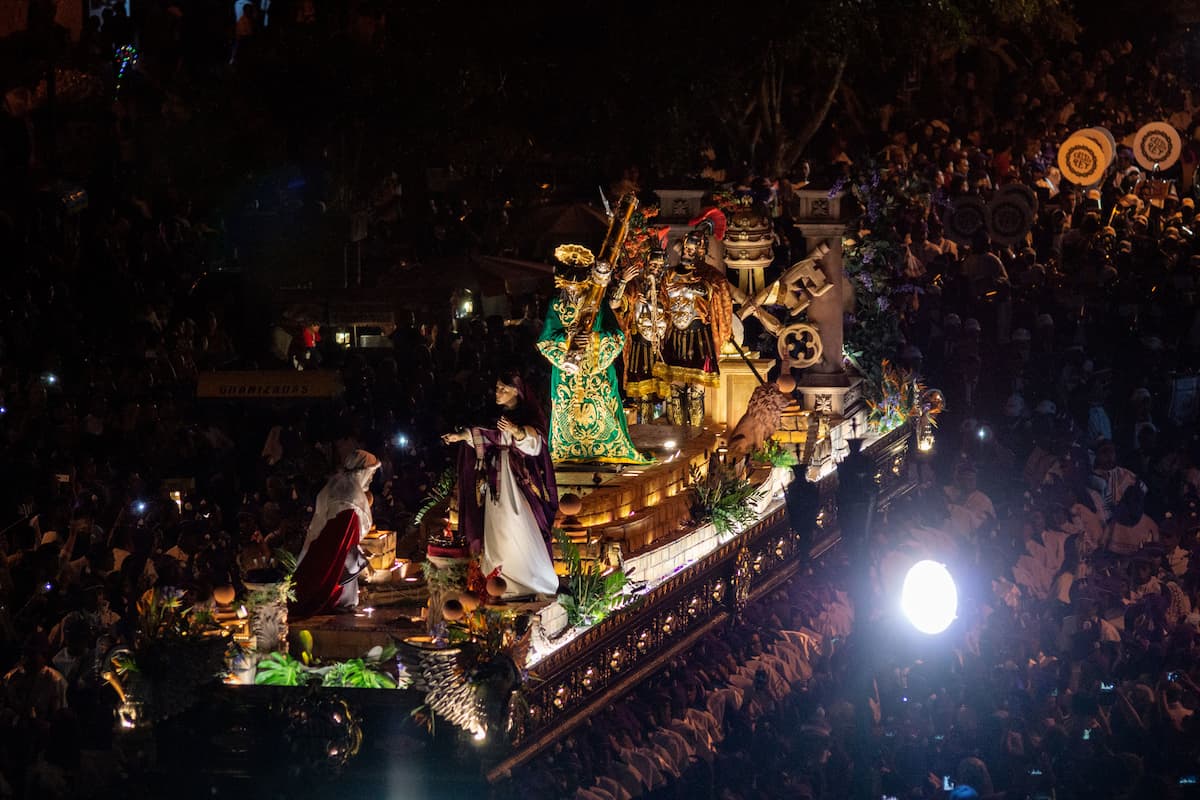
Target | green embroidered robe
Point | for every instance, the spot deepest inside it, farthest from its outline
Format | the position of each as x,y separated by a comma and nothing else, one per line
587,422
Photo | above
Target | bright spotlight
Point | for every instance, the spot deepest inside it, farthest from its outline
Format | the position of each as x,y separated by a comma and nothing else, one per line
929,598
669,444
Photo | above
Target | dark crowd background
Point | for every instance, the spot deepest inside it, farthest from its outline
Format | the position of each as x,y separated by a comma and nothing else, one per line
1064,481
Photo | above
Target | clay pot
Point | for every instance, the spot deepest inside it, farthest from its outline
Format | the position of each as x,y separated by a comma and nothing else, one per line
497,586
453,610
224,595
469,602
570,504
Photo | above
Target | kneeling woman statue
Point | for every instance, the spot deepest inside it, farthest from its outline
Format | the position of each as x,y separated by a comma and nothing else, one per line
507,495
327,571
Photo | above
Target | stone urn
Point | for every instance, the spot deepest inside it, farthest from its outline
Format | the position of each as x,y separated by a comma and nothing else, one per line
267,604
750,247
446,562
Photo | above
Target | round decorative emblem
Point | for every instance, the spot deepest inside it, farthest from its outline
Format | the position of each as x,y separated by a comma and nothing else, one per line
1081,160
800,345
1008,218
1020,190
965,219
1108,145
1156,146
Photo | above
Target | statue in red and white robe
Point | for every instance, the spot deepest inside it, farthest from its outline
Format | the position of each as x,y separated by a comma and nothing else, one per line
326,576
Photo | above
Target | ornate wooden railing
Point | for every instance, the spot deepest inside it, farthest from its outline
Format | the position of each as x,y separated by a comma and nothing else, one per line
611,658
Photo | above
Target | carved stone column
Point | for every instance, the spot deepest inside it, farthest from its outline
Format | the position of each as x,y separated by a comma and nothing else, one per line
825,384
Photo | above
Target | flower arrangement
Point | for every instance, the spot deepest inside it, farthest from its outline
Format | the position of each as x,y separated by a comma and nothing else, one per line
445,578
898,398
642,236
280,669
731,202
493,631
874,259
176,650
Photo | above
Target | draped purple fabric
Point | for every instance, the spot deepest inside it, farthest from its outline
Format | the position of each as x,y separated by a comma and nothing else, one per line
479,461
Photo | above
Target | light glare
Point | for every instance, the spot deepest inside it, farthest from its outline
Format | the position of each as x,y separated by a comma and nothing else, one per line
929,597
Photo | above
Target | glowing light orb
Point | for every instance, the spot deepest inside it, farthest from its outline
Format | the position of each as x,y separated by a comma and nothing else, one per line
929,597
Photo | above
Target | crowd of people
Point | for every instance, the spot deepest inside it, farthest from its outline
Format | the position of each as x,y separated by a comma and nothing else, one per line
1062,492
1064,485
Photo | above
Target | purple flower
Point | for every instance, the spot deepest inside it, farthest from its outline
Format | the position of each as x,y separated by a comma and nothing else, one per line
882,302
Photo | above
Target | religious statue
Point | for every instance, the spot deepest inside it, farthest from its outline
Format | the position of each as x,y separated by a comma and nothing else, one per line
642,308
507,495
330,561
581,339
700,312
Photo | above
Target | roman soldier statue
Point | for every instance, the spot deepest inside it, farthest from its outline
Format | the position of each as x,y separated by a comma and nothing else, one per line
641,307
700,316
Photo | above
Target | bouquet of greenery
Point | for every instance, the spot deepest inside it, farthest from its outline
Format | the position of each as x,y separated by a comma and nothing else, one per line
176,650
724,499
368,672
592,592
774,454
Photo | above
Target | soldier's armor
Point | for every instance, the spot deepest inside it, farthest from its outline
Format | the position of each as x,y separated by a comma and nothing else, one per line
651,322
683,296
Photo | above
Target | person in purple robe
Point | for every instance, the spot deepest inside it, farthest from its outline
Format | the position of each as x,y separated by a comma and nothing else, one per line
507,494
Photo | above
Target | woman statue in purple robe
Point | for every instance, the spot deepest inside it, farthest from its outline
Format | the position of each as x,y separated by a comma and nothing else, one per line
507,495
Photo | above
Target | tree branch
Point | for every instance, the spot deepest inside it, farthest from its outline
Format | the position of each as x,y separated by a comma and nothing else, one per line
791,153
764,99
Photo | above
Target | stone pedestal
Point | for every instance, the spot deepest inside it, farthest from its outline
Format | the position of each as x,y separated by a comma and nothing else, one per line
678,205
831,394
676,209
725,404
